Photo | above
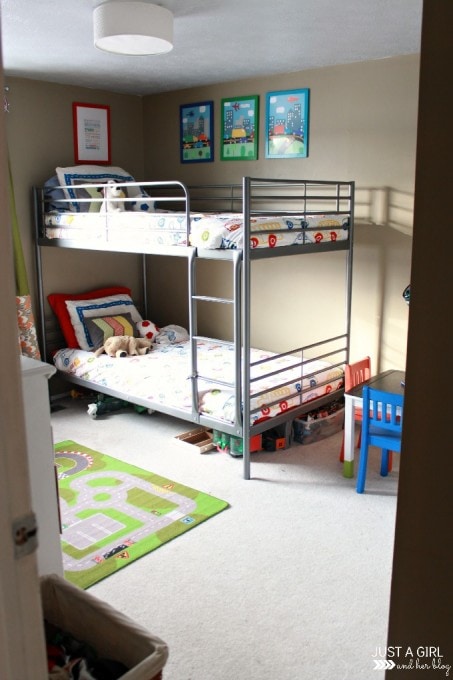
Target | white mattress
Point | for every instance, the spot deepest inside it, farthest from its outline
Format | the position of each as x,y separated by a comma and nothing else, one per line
209,231
163,377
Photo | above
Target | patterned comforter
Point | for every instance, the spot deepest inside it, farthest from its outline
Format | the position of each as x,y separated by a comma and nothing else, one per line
209,231
163,378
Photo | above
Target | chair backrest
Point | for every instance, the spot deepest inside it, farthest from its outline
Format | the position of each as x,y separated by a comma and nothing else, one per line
356,373
382,418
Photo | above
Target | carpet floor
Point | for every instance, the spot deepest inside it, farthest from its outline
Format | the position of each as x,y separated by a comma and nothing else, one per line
113,513
292,582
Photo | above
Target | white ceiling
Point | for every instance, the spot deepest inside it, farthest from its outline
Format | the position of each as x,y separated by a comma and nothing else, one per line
214,41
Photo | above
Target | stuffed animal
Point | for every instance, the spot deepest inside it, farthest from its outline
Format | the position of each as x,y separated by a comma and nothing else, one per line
124,346
167,335
112,195
147,329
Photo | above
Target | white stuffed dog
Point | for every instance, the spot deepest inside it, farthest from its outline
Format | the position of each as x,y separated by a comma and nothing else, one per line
124,346
112,194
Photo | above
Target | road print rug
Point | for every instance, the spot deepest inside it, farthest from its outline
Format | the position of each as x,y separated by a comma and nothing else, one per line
112,513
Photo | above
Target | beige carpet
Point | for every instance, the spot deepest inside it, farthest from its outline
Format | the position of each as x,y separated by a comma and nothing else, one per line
292,583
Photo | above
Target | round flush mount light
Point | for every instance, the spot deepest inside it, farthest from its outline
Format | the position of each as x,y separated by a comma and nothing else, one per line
133,28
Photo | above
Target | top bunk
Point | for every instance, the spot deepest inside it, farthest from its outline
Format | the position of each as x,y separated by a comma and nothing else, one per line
106,209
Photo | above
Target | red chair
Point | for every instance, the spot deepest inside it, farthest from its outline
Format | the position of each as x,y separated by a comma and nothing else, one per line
356,374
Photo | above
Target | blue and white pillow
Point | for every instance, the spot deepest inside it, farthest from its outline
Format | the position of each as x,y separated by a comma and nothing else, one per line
55,197
72,177
81,310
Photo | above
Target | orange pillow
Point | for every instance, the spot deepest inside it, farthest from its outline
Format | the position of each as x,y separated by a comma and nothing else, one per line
57,301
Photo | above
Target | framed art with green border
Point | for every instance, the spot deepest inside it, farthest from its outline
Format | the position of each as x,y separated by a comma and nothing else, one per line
240,122
197,132
287,124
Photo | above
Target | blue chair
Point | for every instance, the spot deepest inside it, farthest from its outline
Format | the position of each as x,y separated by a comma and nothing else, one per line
382,423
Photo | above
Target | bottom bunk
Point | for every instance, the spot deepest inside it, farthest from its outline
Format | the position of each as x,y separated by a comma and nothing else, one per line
161,380
223,385
282,386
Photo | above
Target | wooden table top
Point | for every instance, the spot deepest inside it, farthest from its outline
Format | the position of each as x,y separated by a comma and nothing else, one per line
387,381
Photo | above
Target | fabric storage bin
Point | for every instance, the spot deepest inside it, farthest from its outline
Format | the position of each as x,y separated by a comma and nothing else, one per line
310,430
112,634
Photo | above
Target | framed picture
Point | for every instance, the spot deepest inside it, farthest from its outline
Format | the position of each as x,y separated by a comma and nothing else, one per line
197,132
287,124
240,123
91,124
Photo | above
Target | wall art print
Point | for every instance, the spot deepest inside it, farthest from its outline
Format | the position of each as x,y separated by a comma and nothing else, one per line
239,129
287,124
197,132
91,130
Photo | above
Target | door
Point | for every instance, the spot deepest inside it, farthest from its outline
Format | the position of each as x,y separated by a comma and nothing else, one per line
22,650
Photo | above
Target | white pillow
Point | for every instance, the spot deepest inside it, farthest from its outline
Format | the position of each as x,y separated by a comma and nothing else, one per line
79,310
72,177
171,335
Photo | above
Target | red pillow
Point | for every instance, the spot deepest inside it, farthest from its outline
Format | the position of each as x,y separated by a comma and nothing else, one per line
58,303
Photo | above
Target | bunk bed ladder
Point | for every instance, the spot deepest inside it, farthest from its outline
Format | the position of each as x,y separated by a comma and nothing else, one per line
247,183
349,264
195,298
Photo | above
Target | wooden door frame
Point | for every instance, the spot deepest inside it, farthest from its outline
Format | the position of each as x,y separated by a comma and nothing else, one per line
22,649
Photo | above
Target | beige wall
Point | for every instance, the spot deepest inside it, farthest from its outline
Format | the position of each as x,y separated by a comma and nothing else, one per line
40,138
362,127
363,120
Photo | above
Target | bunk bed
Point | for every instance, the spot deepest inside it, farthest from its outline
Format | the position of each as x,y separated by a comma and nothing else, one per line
226,385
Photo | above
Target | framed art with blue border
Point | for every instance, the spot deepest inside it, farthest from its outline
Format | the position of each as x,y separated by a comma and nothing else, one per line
287,124
239,129
197,132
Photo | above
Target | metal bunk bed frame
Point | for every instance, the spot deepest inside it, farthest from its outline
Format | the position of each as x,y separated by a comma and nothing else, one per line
248,195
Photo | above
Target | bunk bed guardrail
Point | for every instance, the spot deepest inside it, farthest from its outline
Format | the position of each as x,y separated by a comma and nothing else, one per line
252,198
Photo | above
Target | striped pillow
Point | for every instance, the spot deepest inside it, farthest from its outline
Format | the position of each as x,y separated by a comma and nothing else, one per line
82,310
103,327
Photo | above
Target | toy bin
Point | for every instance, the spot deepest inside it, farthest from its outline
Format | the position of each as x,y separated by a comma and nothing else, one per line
221,440
310,430
236,445
111,634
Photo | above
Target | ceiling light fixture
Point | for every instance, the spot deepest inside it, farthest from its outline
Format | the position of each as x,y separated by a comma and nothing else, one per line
133,28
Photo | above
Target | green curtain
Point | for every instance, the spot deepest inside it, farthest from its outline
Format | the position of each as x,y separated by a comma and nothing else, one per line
28,342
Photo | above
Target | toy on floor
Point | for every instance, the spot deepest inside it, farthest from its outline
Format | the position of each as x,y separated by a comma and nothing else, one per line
124,346
105,404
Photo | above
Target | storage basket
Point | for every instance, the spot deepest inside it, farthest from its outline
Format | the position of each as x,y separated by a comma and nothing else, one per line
112,634
308,431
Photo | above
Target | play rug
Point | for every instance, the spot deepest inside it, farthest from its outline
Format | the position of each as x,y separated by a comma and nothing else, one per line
113,513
